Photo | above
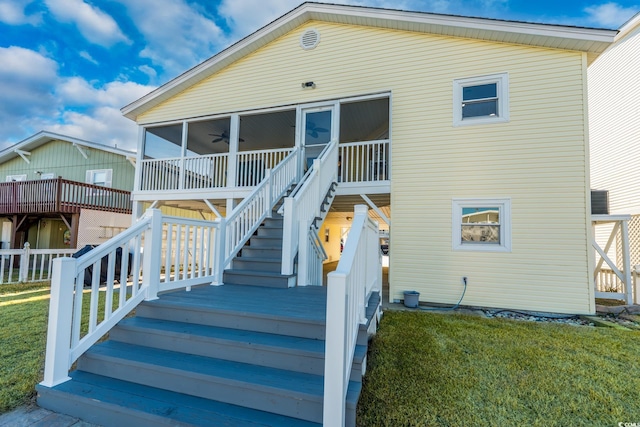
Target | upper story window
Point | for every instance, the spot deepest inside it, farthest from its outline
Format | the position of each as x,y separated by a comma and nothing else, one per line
478,100
11,178
101,177
482,225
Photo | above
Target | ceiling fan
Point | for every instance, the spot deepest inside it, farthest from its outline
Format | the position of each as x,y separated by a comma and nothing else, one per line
224,136
313,131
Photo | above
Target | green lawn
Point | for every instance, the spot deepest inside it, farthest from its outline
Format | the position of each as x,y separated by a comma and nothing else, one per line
24,312
23,333
430,369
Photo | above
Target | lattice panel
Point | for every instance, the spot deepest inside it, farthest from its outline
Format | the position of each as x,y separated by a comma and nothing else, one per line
634,242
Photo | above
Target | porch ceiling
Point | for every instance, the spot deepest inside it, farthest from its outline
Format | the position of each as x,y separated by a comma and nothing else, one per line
342,206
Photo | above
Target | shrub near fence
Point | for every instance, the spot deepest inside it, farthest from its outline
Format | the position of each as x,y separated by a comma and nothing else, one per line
28,265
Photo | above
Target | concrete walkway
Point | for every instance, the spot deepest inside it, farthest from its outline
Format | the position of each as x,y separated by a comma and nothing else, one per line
35,416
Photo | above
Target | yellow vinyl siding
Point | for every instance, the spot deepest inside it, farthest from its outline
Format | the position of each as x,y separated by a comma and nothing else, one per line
538,159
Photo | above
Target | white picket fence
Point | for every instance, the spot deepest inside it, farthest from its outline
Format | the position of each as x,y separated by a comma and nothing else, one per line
29,265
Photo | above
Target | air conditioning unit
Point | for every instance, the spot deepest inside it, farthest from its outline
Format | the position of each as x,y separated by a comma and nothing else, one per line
599,202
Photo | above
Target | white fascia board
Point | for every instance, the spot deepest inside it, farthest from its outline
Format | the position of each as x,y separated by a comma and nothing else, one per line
555,36
629,26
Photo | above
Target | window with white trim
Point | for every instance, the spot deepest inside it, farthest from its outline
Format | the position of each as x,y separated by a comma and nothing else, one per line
478,100
482,224
101,177
11,178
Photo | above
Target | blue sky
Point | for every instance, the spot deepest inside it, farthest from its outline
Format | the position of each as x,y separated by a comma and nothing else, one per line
68,66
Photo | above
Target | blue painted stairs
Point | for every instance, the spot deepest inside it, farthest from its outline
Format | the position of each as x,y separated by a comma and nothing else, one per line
232,355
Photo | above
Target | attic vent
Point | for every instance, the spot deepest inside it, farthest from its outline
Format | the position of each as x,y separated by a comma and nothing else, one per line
309,39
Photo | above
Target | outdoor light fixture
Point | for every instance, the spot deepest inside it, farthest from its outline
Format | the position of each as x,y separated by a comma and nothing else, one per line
307,85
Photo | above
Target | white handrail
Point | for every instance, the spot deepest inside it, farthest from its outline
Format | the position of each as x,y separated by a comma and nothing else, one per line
135,259
359,273
245,219
311,255
304,206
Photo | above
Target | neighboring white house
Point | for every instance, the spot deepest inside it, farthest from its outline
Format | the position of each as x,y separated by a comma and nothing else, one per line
614,131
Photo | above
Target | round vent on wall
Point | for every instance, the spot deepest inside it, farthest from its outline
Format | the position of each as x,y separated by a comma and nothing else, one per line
309,39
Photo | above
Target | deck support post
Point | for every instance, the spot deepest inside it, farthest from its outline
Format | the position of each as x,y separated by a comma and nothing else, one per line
58,354
152,255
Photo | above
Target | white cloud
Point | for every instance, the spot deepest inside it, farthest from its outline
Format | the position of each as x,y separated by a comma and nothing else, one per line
27,79
12,12
177,36
105,125
102,120
34,97
94,24
610,15
86,55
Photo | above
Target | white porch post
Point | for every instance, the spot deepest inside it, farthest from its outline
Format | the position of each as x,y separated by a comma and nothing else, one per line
334,408
303,254
626,262
288,236
219,250
232,163
152,255
58,353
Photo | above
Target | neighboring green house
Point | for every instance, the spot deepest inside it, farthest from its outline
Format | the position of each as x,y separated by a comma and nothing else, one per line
53,196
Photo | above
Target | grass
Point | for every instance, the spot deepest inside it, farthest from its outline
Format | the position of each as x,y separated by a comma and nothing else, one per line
451,370
23,331
24,312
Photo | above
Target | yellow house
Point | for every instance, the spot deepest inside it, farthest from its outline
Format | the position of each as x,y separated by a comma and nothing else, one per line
433,115
465,138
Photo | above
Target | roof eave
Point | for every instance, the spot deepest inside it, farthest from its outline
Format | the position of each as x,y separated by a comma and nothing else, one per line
590,40
44,137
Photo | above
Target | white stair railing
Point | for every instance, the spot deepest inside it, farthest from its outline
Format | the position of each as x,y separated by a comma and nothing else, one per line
359,273
135,259
245,219
311,255
304,204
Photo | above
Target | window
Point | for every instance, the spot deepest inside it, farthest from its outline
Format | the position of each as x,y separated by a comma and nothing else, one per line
11,178
50,175
101,177
482,225
478,100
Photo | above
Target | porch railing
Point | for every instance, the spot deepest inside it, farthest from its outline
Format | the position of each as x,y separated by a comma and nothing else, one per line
245,219
189,173
366,161
142,266
305,203
311,255
60,195
29,265
252,165
209,171
359,273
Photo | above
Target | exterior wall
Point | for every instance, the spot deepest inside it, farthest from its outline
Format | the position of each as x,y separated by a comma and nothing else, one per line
64,160
539,159
614,123
614,128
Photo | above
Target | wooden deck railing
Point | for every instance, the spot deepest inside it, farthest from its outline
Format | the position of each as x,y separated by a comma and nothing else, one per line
60,195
